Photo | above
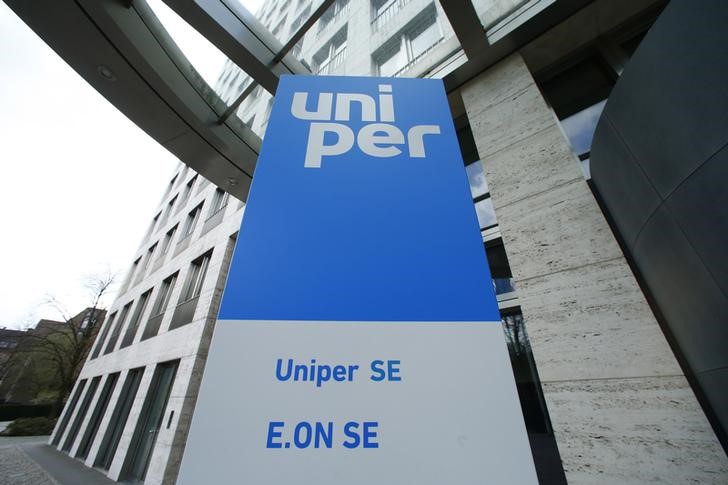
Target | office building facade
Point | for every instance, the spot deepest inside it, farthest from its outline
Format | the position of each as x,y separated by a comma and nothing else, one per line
604,394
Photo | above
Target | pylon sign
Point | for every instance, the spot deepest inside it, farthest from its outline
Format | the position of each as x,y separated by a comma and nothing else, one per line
359,339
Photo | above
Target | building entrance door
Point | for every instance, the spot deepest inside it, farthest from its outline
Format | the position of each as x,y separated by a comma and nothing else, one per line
150,422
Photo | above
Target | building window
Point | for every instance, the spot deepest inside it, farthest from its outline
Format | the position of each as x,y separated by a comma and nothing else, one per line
102,338
170,186
333,13
117,328
148,256
195,278
149,423
134,267
167,241
134,322
81,414
405,49
330,58
70,408
185,311
116,425
219,201
385,10
191,221
187,191
160,306
98,414
168,209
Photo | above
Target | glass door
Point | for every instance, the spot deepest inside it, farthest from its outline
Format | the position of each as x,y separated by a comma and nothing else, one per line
150,422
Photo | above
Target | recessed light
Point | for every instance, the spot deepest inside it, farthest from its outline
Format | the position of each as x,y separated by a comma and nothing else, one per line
232,182
106,73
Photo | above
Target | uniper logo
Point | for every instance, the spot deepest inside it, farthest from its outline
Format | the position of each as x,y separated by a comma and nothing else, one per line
379,138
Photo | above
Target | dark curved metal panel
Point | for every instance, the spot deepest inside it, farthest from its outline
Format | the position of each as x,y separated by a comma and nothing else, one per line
659,163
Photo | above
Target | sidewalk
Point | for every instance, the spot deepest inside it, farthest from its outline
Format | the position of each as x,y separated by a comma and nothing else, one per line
30,461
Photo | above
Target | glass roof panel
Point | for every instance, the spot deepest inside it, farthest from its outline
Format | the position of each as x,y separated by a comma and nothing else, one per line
204,57
223,77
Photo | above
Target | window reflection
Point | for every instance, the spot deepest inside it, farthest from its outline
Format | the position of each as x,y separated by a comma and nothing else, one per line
486,213
476,178
580,127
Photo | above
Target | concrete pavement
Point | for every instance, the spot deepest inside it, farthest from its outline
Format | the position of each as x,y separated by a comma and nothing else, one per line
28,460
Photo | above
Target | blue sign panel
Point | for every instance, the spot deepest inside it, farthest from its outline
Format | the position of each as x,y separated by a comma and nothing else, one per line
360,210
359,337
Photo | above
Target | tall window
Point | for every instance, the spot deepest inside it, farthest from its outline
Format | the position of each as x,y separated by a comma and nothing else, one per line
134,267
98,414
195,278
102,338
187,191
117,328
168,209
219,201
148,256
407,48
184,313
116,425
330,58
167,241
165,292
170,186
191,221
135,318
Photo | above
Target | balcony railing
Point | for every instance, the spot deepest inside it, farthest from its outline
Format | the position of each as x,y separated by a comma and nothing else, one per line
417,59
152,327
184,313
331,65
326,21
388,13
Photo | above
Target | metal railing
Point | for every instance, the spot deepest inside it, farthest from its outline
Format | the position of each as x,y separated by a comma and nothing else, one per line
417,59
384,16
184,313
325,22
152,327
331,65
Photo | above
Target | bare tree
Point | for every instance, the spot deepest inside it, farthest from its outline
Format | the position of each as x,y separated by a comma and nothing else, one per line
56,351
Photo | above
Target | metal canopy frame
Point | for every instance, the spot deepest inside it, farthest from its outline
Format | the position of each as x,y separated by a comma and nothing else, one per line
151,83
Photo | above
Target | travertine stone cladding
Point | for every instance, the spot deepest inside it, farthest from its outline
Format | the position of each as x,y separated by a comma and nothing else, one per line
621,409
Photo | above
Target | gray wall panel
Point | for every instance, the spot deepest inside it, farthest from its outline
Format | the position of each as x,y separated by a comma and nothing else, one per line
664,131
701,206
670,102
634,197
695,308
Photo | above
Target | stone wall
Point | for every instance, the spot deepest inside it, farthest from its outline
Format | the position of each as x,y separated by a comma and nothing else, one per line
621,409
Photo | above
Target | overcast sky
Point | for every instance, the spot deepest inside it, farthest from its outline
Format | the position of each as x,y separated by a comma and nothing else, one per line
79,181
